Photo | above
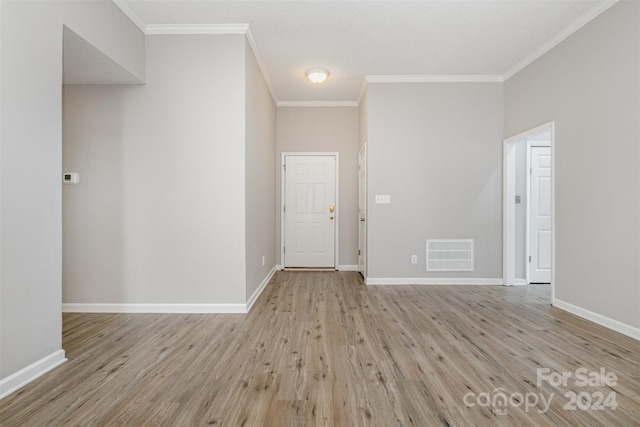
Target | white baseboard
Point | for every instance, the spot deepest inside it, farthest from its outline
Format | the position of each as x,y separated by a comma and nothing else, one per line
605,321
25,375
169,308
432,281
258,291
346,267
153,308
520,282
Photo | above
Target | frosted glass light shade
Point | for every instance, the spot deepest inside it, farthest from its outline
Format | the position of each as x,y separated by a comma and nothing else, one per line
317,75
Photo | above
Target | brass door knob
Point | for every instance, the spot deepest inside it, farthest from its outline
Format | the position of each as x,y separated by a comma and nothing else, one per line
331,208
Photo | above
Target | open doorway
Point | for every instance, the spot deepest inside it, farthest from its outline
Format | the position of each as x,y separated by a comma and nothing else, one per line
93,222
362,211
528,205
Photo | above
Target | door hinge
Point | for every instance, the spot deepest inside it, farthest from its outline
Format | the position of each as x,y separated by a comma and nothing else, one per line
529,258
358,251
284,208
530,171
284,250
284,167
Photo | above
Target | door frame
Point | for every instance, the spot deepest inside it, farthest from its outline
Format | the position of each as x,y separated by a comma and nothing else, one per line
527,235
362,161
336,230
508,204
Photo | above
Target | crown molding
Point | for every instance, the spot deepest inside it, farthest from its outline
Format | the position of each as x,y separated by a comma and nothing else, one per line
265,73
131,14
434,79
555,40
317,104
155,29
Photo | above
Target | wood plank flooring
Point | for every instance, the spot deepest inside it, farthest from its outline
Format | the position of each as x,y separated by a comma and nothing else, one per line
323,349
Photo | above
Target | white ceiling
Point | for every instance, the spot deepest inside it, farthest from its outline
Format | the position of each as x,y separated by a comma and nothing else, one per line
400,38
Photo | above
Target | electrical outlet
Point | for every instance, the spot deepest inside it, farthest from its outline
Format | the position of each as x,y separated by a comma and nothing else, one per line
383,198
414,259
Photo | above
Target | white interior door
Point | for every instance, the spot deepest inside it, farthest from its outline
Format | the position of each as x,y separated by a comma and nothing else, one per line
310,211
540,215
362,211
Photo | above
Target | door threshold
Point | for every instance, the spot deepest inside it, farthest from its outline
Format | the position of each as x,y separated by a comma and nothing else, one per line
309,269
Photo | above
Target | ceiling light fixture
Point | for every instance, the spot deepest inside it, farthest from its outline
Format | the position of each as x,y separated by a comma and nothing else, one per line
317,75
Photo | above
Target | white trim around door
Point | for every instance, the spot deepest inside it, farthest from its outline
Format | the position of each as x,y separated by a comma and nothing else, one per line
335,155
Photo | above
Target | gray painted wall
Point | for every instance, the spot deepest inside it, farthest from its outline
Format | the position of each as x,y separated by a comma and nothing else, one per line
260,169
103,25
31,255
589,85
436,149
159,213
308,129
151,160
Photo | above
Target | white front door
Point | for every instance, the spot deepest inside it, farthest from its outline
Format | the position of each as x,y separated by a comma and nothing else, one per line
540,216
362,211
309,211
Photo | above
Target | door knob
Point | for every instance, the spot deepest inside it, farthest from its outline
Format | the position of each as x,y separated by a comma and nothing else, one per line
331,217
331,208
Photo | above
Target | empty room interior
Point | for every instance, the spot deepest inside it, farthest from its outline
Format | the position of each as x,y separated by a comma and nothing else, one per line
338,213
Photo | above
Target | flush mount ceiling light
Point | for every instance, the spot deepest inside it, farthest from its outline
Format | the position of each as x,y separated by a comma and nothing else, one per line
317,75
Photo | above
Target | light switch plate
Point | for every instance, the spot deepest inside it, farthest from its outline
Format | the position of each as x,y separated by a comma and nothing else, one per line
70,177
383,198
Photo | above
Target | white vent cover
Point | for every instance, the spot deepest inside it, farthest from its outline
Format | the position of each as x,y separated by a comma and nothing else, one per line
450,255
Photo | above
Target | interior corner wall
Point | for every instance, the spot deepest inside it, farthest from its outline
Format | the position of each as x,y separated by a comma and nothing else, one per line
589,86
31,241
260,180
159,213
436,149
125,45
324,129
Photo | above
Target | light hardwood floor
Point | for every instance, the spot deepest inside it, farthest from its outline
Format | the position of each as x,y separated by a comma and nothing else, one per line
321,348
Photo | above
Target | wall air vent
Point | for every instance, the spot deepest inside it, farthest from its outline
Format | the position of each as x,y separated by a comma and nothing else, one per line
449,254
